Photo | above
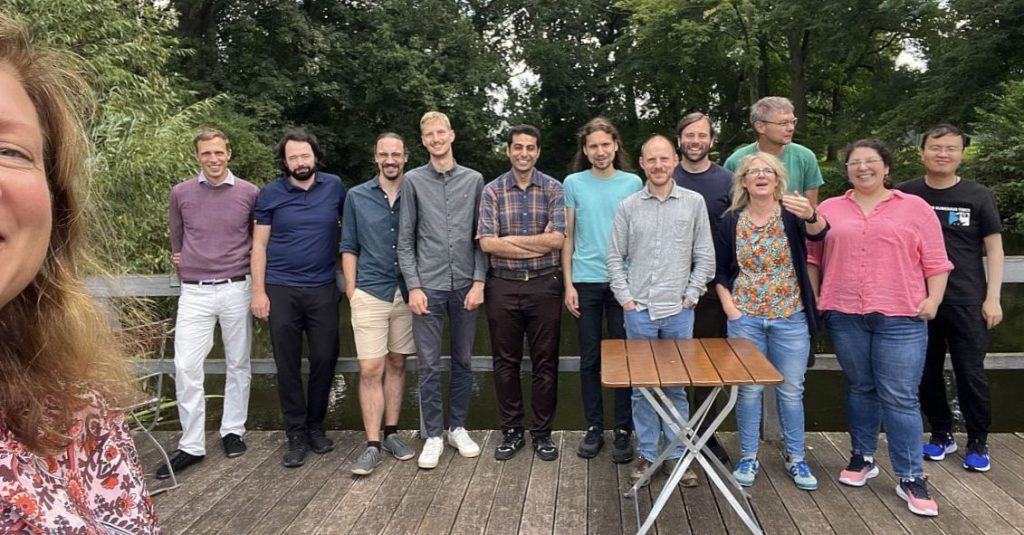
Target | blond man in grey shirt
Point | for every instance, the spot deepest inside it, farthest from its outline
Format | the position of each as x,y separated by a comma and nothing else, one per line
660,259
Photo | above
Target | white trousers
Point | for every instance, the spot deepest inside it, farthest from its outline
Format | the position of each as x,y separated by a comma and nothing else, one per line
200,307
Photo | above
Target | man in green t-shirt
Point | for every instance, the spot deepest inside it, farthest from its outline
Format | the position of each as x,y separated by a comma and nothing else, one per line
774,123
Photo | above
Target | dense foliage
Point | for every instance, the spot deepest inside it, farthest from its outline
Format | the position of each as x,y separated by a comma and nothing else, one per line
350,69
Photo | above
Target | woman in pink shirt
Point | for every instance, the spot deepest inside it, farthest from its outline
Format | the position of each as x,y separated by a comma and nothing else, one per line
883,270
67,462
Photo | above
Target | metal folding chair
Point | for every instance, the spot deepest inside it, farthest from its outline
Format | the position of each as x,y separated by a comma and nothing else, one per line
149,342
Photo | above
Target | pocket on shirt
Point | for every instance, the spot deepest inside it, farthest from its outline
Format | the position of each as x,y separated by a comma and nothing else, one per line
680,230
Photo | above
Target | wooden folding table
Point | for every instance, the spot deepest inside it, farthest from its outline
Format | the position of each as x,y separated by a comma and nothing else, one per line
718,363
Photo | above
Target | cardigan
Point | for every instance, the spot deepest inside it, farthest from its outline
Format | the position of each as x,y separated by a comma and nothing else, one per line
728,268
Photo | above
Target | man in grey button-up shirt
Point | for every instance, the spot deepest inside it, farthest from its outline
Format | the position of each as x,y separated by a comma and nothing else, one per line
660,259
445,270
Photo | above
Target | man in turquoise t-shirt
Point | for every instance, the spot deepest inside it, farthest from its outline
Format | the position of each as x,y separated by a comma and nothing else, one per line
774,123
592,194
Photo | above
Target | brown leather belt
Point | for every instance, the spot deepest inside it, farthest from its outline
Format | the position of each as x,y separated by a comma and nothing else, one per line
522,275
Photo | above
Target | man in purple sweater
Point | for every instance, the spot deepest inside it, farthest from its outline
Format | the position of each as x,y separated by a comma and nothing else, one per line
210,221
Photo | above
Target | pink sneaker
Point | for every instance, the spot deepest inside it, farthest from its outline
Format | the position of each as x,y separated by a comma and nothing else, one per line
915,492
858,472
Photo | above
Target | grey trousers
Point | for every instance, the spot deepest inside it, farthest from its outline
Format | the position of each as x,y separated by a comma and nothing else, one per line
427,331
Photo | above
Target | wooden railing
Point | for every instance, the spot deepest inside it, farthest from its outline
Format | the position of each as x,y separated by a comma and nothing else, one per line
166,285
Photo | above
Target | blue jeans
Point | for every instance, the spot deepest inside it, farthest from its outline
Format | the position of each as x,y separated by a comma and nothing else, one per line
786,342
646,422
882,358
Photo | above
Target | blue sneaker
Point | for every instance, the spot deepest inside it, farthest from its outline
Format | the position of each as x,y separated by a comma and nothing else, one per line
801,474
746,471
977,459
940,444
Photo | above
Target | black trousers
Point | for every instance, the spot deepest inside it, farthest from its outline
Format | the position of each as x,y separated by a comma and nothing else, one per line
532,308
962,330
313,312
597,302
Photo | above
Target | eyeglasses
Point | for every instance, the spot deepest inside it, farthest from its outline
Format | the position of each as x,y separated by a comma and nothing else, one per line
766,171
857,163
783,124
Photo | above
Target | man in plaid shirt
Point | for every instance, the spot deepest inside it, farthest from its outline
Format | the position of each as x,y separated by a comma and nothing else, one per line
521,227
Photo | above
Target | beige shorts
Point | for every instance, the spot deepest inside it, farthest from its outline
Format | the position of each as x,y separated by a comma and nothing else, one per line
381,326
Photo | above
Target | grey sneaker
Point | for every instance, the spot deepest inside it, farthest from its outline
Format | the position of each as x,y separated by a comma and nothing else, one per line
394,445
366,462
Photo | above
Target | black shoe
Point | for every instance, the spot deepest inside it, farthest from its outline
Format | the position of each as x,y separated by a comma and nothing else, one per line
233,445
512,442
591,444
622,447
318,441
718,450
179,463
545,448
296,454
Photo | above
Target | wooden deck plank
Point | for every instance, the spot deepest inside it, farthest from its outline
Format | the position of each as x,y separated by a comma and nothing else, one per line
507,507
800,504
378,513
670,364
730,368
247,503
454,494
1007,469
204,486
604,510
767,502
673,516
979,489
698,365
847,513
627,506
995,514
967,517
327,499
642,369
572,492
480,493
702,515
614,365
332,471
760,369
541,495
952,520
254,494
425,484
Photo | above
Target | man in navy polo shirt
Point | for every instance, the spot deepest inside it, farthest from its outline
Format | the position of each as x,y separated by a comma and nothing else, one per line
294,260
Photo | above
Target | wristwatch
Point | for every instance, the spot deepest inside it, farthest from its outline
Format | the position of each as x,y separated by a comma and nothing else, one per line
813,219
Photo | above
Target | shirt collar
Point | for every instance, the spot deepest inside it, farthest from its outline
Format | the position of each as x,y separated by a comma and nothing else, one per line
510,179
317,179
230,180
676,192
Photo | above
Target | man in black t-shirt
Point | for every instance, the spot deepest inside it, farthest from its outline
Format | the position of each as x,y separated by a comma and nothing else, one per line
970,227
698,173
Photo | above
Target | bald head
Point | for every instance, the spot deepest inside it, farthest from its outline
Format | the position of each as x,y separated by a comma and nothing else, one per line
655,142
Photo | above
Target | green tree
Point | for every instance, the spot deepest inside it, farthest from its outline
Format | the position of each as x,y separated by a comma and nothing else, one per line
143,121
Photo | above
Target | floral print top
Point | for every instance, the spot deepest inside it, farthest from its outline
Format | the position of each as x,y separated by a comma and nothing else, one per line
94,486
766,286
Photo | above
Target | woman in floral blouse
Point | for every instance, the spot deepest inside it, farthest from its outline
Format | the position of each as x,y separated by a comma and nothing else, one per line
67,461
762,282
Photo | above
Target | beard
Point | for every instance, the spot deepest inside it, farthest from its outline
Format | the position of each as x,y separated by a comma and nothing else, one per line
700,157
303,173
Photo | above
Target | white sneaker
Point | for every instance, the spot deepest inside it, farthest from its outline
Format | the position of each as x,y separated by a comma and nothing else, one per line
459,439
431,453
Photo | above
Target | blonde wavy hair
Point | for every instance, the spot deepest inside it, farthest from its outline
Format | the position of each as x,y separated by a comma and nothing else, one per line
57,352
740,197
